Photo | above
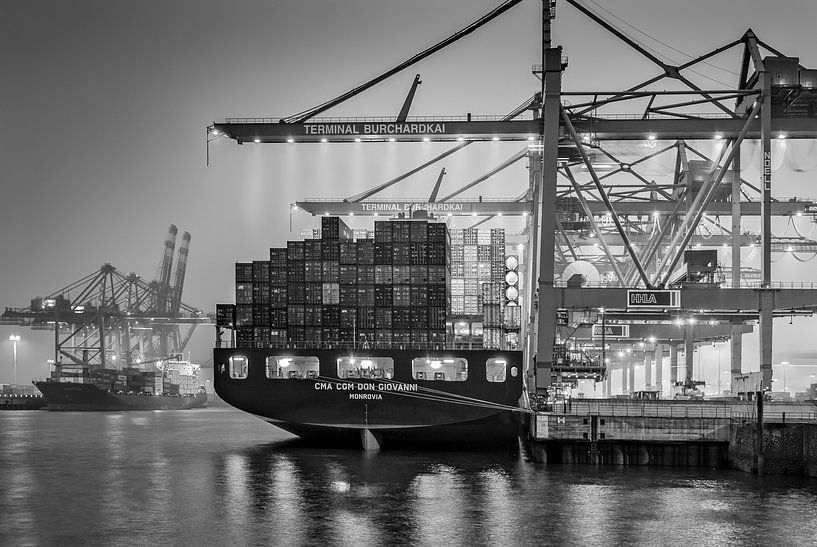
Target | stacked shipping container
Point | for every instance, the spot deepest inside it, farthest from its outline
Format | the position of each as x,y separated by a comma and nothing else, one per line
337,290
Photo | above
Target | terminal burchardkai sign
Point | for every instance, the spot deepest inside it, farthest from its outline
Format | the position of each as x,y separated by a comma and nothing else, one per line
653,298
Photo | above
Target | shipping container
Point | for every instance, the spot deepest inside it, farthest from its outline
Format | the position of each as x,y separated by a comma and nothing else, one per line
313,271
312,249
383,318
457,287
296,272
436,317
401,274
366,318
492,338
330,294
330,271
457,304
471,287
435,253
401,253
511,317
470,270
260,315
366,275
313,335
348,274
348,252
335,228
401,318
383,253
278,276
260,271
436,232
401,296
278,258
484,271
359,234
365,252
498,237
330,336
471,305
469,253
313,293
418,275
401,337
457,253
457,269
296,293
419,337
436,275
382,231
365,295
419,318
243,315
330,316
313,316
243,293
470,236
383,295
330,251
278,337
348,295
456,237
347,335
260,293
383,338
419,253
365,338
419,295
278,318
296,334
295,250
436,295
418,231
401,231
347,317
296,316
383,274
243,272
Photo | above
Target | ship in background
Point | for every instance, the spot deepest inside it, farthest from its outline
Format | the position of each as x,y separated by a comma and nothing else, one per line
171,385
402,338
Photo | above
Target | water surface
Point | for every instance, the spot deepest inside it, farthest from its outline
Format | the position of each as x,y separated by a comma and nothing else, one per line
221,477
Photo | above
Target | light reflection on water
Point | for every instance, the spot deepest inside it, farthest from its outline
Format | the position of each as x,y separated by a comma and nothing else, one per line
219,477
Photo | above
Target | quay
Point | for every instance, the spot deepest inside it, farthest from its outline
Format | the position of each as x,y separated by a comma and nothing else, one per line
679,433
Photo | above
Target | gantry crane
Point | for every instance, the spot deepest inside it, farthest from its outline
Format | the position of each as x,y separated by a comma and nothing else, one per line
639,228
108,318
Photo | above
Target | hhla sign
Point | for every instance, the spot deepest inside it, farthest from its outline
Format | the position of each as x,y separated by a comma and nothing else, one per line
653,298
614,331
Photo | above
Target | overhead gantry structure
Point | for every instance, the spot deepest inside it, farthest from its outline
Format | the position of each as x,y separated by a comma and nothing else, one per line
586,200
112,319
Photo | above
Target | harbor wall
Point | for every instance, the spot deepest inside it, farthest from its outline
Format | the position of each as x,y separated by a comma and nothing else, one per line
788,449
662,435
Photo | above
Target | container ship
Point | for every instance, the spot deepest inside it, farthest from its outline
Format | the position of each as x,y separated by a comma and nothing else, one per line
172,385
404,337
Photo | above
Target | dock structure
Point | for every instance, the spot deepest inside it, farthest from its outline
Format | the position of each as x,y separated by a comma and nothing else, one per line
679,433
620,266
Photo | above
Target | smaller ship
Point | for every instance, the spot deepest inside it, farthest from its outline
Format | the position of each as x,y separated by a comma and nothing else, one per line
171,385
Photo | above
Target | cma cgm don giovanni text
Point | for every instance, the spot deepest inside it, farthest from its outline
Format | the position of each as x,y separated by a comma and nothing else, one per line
398,338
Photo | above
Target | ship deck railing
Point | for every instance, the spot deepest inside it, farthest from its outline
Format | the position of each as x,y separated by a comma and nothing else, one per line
437,346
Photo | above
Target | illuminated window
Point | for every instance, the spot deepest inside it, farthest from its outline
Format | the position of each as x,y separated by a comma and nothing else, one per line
365,367
284,367
239,366
495,370
438,368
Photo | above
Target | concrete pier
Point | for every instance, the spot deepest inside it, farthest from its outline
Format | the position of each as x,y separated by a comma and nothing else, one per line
679,433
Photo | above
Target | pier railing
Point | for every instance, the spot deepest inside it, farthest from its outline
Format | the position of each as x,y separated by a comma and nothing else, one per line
737,410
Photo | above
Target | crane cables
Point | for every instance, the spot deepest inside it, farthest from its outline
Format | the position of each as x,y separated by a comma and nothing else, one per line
434,395
301,117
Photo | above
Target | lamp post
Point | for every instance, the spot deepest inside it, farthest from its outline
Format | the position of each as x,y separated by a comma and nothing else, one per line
14,339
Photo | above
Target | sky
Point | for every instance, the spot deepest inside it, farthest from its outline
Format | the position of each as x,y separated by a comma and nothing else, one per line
105,105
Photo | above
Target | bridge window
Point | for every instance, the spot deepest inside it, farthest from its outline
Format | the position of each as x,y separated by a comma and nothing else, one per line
365,367
496,369
445,370
239,367
284,367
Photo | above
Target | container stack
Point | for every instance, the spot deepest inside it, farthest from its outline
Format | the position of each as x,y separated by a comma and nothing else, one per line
492,315
476,257
386,291
278,321
243,304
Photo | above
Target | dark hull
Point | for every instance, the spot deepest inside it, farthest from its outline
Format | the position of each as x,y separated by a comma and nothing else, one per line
439,414
69,396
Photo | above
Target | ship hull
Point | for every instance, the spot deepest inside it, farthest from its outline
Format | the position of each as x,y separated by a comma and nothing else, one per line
399,412
88,397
